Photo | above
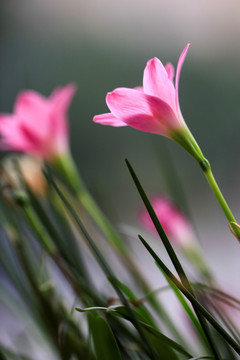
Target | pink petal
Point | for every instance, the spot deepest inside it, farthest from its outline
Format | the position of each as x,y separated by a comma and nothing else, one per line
61,97
141,111
157,83
59,102
108,119
33,109
12,138
29,99
30,136
178,71
170,71
139,88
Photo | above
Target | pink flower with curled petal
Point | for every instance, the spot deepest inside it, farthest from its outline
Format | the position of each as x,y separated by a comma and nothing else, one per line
174,223
38,125
153,108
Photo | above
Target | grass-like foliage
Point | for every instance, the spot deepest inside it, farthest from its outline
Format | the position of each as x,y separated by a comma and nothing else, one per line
53,295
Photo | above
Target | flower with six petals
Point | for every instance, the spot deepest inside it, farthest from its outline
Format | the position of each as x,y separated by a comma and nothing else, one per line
153,108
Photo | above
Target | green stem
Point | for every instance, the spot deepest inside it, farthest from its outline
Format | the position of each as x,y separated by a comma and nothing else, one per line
39,229
185,138
213,184
205,166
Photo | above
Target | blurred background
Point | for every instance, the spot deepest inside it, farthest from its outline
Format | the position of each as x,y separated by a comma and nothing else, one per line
104,44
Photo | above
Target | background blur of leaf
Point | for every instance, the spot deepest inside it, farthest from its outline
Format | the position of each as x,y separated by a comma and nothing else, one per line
105,44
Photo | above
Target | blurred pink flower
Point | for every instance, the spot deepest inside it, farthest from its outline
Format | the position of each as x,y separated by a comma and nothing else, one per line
153,108
38,125
174,223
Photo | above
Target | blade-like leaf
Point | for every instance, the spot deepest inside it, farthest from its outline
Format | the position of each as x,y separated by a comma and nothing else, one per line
121,311
104,265
158,226
105,344
97,308
207,337
139,307
191,298
191,315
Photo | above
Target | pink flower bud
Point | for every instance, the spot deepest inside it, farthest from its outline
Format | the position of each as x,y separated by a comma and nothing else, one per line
174,223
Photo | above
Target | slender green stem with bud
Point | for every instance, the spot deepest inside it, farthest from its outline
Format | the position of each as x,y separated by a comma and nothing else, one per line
184,138
217,192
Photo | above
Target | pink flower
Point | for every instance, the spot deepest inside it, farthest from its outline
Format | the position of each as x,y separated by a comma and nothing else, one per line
174,223
153,108
38,125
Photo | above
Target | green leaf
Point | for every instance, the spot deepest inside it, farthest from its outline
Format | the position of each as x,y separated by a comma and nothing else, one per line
191,298
61,234
104,265
145,314
158,226
207,337
97,308
105,344
191,315
138,305
163,340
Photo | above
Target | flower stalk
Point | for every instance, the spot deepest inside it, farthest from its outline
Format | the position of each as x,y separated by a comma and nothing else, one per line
206,168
